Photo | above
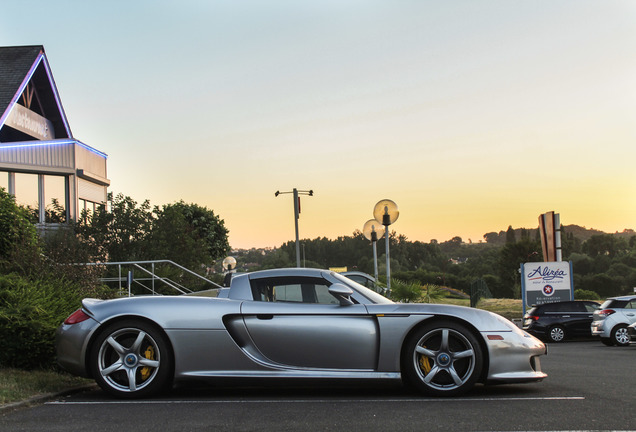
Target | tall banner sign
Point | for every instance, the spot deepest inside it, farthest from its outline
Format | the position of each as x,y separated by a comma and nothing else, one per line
550,233
546,282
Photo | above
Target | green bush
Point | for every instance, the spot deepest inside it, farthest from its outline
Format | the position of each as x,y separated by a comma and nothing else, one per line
30,312
406,292
16,230
581,294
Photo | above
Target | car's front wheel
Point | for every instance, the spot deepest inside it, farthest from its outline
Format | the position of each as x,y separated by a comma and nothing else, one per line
442,358
556,334
131,359
620,335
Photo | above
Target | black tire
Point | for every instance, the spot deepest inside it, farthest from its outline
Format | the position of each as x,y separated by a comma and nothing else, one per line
556,334
607,341
620,335
442,358
131,359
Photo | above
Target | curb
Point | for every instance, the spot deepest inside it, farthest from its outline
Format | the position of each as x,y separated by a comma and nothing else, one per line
35,400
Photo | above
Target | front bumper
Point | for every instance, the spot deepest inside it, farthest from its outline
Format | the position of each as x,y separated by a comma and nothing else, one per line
515,357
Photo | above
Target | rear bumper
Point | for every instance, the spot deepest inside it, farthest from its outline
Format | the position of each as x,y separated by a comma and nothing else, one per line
597,328
71,343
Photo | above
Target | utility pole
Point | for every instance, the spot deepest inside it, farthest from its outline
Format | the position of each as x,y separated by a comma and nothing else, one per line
296,194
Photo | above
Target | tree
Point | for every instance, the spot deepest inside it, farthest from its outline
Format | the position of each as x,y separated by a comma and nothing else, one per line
277,259
605,244
510,235
17,233
119,234
188,234
510,258
569,244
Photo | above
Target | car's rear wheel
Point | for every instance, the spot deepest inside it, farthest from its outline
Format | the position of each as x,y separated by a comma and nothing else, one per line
131,359
442,358
620,335
556,334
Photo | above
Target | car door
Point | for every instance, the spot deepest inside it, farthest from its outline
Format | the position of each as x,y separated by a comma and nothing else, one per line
629,311
578,318
295,322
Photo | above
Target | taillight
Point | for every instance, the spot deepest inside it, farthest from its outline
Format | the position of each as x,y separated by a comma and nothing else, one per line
76,317
605,313
532,317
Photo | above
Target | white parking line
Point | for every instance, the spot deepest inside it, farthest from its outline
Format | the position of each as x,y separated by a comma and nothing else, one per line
287,401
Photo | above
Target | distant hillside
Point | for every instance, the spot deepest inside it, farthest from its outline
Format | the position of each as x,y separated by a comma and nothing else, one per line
579,232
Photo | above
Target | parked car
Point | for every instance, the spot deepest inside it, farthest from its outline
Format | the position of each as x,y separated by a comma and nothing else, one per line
612,319
366,280
560,320
292,323
631,330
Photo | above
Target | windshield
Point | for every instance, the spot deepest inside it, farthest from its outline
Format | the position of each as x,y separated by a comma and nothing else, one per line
370,294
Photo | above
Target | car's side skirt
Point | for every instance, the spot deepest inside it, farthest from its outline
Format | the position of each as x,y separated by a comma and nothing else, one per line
294,374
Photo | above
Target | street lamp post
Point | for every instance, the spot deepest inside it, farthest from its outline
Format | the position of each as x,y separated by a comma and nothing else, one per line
370,231
386,212
229,266
296,193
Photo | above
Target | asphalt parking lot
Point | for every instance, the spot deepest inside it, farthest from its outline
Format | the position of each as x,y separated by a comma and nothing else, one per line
589,387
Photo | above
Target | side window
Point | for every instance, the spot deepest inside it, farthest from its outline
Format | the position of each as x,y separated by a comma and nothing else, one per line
323,296
549,307
566,307
631,305
578,307
590,307
361,280
292,290
288,293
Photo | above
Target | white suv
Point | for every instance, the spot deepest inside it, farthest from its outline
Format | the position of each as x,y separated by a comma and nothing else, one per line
612,318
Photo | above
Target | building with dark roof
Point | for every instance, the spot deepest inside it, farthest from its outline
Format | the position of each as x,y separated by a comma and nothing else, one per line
35,136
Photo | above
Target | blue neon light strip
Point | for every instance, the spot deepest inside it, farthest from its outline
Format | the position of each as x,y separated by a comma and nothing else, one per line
47,68
25,82
40,59
27,144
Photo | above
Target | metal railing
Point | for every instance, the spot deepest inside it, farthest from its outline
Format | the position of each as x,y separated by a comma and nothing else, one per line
150,281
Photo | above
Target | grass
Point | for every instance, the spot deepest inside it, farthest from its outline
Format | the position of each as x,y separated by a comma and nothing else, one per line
509,308
17,385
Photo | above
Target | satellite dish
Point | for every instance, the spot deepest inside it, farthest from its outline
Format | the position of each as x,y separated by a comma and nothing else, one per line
229,263
373,226
386,212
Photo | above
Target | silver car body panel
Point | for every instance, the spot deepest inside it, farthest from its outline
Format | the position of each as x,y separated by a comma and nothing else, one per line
235,336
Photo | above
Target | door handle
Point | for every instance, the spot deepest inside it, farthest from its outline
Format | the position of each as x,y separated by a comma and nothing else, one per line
264,316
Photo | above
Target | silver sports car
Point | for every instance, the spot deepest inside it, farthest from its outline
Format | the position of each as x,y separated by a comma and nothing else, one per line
292,323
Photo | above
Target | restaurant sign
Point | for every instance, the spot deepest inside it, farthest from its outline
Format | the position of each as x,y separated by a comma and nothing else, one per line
31,123
546,282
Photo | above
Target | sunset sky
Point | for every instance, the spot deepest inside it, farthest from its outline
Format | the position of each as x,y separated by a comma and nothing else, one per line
470,115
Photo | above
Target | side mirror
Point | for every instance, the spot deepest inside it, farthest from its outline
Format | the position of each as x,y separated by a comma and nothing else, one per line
342,293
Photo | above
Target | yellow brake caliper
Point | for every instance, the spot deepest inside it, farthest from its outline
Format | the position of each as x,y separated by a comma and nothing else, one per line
425,364
150,355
